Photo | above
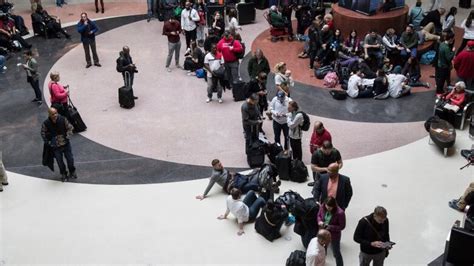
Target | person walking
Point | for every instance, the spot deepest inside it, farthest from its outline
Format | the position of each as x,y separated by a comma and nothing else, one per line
56,131
32,75
87,28
172,29
189,18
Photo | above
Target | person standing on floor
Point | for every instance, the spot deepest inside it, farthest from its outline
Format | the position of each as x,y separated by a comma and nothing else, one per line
32,75
333,218
3,174
372,233
97,6
279,109
468,27
56,131
228,46
125,65
316,251
213,61
150,9
464,65
189,18
444,64
295,121
257,64
59,94
172,29
87,28
251,120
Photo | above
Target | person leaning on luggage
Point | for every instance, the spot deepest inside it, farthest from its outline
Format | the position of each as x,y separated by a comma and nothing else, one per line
295,121
251,120
59,94
125,65
55,132
244,210
3,174
87,28
219,176
371,233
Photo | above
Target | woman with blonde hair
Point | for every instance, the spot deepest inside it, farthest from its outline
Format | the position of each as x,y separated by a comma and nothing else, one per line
283,75
59,94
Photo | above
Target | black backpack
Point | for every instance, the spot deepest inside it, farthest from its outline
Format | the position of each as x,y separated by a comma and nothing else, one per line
306,122
296,258
299,172
241,54
289,199
321,72
269,223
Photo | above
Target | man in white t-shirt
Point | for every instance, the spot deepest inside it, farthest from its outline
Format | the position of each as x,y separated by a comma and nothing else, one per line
316,251
358,87
212,62
246,210
189,17
397,85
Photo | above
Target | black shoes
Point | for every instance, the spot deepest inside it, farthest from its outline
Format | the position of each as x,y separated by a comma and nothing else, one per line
135,97
310,184
35,100
97,65
73,175
63,177
88,65
96,10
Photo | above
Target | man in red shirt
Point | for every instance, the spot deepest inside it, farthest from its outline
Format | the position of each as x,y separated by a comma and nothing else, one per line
464,65
320,134
172,29
229,47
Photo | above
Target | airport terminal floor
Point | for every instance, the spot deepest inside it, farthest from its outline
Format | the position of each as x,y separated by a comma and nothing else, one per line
139,170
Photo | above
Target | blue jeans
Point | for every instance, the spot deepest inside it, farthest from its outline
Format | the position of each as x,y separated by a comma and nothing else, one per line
254,203
378,55
336,250
67,152
413,52
150,7
277,128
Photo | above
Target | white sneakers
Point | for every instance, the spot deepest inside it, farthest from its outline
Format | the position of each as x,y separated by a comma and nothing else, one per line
210,100
168,69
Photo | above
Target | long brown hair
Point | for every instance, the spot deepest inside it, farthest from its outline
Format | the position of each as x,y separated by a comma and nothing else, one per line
469,19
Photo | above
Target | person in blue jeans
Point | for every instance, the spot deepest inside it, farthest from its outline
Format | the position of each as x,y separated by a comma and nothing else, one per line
244,210
150,4
3,60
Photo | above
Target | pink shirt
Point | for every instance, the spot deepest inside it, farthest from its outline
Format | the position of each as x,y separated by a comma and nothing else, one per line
57,92
332,186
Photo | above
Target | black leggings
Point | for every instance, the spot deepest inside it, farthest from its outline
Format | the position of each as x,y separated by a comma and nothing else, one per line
463,45
97,4
190,35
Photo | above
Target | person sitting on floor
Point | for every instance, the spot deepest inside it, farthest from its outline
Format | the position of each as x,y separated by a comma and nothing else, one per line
194,60
53,27
244,210
9,34
397,84
409,41
373,47
460,203
381,85
412,71
219,175
358,87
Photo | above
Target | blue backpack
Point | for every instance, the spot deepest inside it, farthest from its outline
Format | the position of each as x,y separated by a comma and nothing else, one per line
428,57
200,73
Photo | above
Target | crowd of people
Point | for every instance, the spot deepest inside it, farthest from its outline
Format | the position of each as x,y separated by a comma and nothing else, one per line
378,67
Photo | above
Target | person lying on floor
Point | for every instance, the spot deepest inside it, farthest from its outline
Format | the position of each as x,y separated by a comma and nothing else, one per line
244,210
219,175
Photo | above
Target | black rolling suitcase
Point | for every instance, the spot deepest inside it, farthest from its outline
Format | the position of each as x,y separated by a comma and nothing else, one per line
299,172
465,3
283,164
75,118
239,90
256,154
273,150
126,99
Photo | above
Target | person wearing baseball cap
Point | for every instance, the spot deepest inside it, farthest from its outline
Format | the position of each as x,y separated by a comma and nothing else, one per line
464,65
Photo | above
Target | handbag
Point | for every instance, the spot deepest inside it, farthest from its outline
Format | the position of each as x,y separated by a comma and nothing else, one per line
377,233
219,73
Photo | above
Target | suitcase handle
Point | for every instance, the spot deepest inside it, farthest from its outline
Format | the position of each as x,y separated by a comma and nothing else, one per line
127,80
